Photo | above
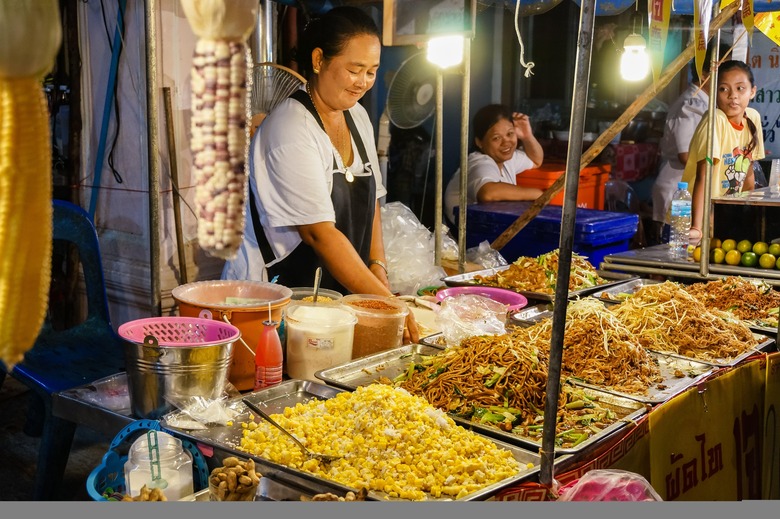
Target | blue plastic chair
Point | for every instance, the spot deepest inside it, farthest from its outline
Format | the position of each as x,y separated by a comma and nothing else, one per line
64,359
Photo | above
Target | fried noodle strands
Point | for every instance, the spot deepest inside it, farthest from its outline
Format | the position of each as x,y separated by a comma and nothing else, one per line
755,302
666,318
540,274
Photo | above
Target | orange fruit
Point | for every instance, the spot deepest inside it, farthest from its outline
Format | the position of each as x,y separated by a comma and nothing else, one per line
697,254
733,257
745,246
767,261
760,248
749,259
774,249
715,243
717,255
728,245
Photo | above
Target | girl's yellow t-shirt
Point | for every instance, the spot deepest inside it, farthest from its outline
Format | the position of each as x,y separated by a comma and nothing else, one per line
729,144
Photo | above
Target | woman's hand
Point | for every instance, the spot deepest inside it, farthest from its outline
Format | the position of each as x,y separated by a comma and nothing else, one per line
522,124
411,332
694,236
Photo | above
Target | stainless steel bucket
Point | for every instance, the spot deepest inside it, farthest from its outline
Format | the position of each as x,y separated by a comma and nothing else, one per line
163,377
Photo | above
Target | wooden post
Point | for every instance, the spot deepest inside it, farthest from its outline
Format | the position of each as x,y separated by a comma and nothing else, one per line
599,144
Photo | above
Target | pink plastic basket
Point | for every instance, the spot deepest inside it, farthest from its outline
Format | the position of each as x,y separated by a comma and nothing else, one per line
179,331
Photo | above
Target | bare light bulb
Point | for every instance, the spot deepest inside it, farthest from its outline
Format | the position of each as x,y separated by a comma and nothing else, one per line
635,63
445,51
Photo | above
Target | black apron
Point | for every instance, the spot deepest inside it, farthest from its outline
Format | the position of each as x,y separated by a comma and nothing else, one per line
353,202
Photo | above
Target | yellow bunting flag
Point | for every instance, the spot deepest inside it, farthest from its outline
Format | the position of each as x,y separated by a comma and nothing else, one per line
725,3
747,18
769,24
702,13
659,25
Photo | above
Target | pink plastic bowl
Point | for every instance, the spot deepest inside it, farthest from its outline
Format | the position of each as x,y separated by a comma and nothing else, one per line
514,300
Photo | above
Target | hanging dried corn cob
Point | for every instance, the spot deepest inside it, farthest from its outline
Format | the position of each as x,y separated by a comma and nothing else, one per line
219,131
25,170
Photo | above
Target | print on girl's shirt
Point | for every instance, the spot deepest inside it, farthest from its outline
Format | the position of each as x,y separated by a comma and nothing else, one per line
737,166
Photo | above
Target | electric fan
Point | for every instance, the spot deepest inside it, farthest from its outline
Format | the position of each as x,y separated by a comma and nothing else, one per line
411,94
271,84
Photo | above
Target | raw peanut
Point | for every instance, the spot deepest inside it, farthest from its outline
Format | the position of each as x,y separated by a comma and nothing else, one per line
245,480
231,481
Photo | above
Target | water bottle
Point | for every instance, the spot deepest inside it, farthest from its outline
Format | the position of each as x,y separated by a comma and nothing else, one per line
268,357
680,222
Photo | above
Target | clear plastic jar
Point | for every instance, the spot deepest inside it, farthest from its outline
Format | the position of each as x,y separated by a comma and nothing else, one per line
175,464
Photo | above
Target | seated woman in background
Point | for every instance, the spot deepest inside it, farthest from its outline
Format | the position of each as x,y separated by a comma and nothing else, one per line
494,164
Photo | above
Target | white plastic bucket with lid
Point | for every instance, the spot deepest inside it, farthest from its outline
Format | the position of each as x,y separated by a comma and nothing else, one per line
318,337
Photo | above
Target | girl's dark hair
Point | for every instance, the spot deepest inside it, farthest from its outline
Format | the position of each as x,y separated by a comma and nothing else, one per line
331,32
487,116
733,64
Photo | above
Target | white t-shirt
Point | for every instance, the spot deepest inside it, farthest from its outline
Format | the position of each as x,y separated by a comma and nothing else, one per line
482,170
681,121
291,176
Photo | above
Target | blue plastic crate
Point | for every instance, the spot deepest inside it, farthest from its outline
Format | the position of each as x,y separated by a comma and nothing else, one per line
110,474
596,233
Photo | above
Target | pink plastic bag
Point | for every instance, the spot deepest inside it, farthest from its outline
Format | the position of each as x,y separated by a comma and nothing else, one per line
609,485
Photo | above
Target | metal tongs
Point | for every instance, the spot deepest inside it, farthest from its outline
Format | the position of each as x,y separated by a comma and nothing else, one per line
324,458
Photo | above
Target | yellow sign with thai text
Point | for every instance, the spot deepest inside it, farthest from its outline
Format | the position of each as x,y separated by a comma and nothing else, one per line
769,24
660,11
705,444
771,439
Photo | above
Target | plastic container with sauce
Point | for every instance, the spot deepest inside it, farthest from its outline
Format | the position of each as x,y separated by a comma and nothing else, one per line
380,323
169,457
319,336
323,295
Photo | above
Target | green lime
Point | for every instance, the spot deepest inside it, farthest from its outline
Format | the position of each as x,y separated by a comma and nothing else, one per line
733,257
760,248
745,246
767,261
749,259
728,245
717,255
774,249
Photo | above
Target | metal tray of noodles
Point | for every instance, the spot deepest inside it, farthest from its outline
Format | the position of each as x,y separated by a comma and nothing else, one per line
678,375
468,279
765,344
619,292
392,363
291,392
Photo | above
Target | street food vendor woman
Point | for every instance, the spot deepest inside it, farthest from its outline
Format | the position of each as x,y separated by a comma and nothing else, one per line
314,172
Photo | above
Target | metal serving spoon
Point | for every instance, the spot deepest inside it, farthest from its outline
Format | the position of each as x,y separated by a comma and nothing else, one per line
324,458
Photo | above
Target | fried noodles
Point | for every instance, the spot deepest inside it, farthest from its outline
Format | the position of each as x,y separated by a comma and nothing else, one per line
540,274
600,350
755,302
666,318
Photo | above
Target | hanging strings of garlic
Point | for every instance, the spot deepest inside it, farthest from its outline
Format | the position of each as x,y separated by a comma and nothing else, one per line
219,139
25,170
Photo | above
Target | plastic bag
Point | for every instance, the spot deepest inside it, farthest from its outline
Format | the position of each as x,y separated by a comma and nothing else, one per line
609,485
485,256
409,250
198,412
464,316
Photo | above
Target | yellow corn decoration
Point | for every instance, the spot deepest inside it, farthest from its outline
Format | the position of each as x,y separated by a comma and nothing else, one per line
220,136
25,171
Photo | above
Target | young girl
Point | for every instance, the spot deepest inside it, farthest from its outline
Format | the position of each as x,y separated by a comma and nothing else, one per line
737,142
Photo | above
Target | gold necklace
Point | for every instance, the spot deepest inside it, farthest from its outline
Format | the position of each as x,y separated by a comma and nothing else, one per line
339,137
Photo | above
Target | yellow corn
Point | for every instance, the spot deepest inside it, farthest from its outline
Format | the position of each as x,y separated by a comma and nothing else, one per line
220,135
25,171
